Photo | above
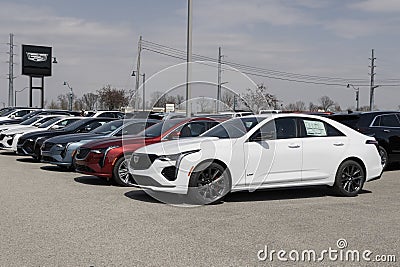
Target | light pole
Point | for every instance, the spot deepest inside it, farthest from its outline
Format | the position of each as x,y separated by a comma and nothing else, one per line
357,94
15,94
143,85
71,94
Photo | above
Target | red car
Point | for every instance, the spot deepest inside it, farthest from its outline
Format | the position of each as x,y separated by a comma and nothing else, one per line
107,158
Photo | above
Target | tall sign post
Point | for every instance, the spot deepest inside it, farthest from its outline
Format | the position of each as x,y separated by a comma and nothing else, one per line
36,63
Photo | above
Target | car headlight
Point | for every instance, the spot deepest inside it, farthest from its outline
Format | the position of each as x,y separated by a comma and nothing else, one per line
176,157
98,151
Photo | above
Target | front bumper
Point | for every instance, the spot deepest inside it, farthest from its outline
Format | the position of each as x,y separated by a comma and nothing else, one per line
92,164
156,179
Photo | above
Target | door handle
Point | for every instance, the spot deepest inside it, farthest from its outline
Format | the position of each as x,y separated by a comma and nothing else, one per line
386,131
294,146
338,144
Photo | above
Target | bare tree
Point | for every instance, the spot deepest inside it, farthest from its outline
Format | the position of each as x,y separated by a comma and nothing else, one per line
78,104
53,105
204,104
63,101
337,107
298,106
313,107
112,98
326,103
228,98
258,99
89,101
158,99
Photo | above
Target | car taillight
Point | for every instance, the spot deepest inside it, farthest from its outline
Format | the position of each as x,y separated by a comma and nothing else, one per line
373,142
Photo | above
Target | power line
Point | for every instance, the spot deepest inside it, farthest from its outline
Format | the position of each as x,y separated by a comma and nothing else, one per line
263,72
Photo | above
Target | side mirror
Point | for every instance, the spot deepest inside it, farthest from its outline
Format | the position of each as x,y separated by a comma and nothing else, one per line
86,129
256,138
56,127
174,135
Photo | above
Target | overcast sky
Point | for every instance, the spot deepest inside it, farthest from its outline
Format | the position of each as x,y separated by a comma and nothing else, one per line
95,42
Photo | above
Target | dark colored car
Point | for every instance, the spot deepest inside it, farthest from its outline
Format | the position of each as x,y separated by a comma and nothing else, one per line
383,125
109,158
59,150
30,143
40,112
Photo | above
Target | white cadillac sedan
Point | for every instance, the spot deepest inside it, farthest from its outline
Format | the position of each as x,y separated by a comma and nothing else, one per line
257,152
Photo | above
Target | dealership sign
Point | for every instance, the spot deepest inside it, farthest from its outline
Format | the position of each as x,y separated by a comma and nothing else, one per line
36,60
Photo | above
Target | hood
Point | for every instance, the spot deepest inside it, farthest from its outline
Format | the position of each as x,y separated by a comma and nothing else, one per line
14,121
70,138
102,143
177,146
21,129
10,127
114,141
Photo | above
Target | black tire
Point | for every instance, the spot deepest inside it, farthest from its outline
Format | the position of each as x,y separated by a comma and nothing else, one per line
121,173
209,183
384,157
350,178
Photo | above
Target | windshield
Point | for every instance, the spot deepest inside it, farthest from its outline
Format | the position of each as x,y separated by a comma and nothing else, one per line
160,128
348,120
48,123
8,112
30,115
108,127
30,121
233,128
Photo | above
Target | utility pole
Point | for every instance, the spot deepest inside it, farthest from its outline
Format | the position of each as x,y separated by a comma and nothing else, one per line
189,59
372,86
138,71
11,72
144,91
219,79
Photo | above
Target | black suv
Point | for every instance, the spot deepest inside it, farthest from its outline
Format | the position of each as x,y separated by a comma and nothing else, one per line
383,125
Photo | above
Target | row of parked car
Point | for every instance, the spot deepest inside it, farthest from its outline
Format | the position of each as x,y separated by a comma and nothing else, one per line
207,156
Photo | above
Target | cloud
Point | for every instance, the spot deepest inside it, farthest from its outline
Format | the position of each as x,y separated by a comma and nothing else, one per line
90,53
220,13
375,6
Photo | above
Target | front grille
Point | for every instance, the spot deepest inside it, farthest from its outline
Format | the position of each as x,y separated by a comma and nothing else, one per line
64,152
28,146
83,168
47,146
142,161
169,173
10,141
47,159
82,153
2,136
146,181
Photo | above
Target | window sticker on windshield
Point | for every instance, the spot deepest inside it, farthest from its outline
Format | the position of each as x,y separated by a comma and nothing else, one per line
315,128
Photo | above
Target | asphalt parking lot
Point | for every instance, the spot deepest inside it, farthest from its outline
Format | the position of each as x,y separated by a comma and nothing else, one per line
50,217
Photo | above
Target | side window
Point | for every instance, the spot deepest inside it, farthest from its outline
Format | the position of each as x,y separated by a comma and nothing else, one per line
211,124
314,128
175,134
132,129
196,128
332,131
68,122
377,121
266,132
389,121
317,128
286,128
